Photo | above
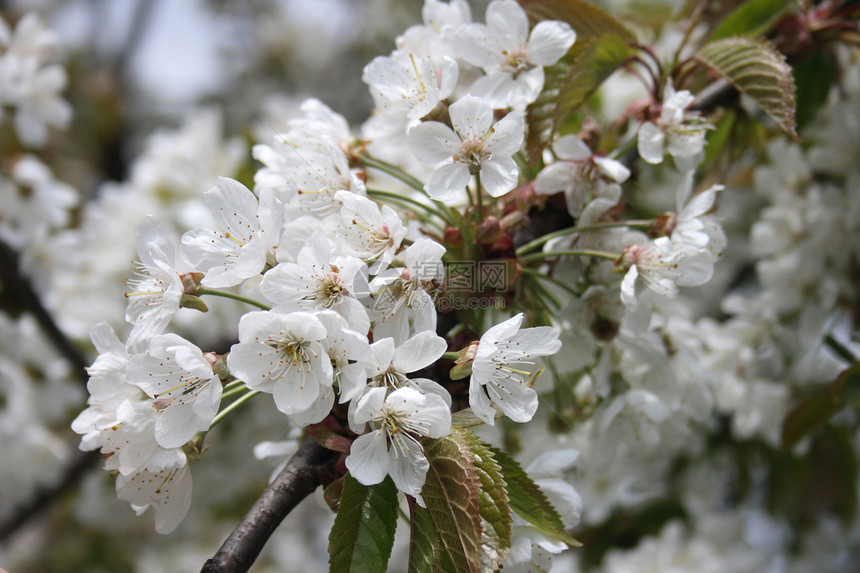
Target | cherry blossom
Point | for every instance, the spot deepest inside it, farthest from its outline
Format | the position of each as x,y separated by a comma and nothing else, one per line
185,391
155,294
475,145
247,236
393,448
512,57
497,380
283,354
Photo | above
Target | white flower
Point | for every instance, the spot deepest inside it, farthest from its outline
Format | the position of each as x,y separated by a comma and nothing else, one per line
29,84
344,347
33,203
306,171
185,391
388,365
475,145
393,448
662,267
512,58
107,385
283,354
580,174
682,132
155,294
316,282
694,227
406,82
496,381
167,491
249,232
403,297
368,233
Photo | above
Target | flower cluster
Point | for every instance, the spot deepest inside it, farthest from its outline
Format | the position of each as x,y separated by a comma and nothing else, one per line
496,302
30,83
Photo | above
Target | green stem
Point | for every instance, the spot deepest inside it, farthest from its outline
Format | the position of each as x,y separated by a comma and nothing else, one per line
380,194
539,275
451,355
839,349
233,391
232,406
531,245
409,180
238,297
479,195
394,171
582,253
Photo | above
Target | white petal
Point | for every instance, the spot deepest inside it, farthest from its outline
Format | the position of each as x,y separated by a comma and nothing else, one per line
471,117
650,143
507,19
549,41
507,135
367,461
418,352
499,176
571,148
448,182
407,464
433,142
480,402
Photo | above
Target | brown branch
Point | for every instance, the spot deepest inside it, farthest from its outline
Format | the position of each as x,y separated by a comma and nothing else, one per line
19,295
311,466
44,496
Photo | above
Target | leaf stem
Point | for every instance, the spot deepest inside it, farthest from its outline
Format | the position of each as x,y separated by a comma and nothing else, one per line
394,171
232,406
531,245
379,193
839,349
234,296
581,253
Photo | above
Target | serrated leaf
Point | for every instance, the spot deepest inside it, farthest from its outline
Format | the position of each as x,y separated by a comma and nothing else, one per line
568,84
758,70
451,495
587,19
495,506
363,532
466,418
425,547
817,408
753,18
528,501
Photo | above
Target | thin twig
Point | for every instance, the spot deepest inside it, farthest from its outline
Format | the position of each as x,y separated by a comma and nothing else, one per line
310,467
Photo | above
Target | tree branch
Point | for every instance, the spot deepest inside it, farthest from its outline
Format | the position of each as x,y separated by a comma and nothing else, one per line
20,295
311,466
44,496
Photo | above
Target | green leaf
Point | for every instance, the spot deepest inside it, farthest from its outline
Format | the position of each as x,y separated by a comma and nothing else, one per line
451,494
569,83
495,506
753,18
529,501
758,70
363,533
425,547
817,408
588,20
